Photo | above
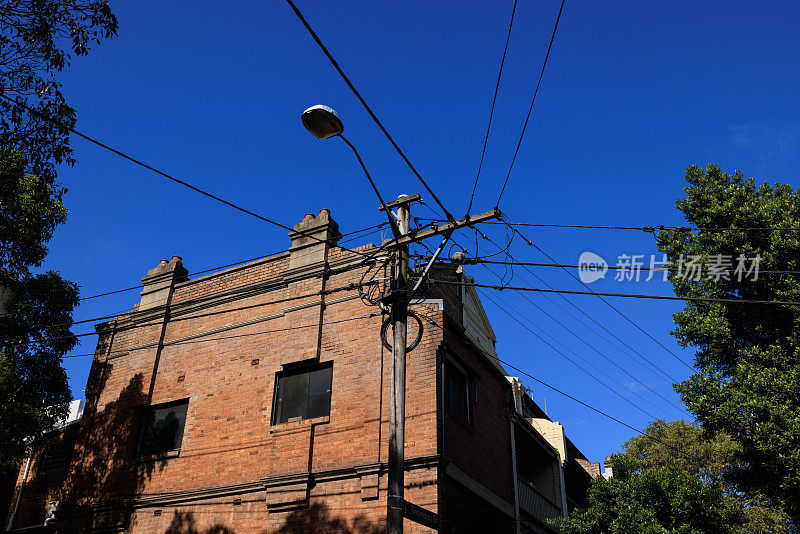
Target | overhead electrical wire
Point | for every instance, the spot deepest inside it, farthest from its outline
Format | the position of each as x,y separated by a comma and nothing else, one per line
530,109
624,295
367,108
477,261
491,111
132,314
592,347
503,307
560,391
172,178
657,370
654,228
317,325
617,310
241,262
134,326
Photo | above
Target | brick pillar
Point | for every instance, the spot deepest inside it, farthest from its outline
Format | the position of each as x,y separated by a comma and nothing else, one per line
306,250
159,282
157,293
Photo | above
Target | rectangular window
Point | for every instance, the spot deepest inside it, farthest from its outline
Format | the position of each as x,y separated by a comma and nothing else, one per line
303,393
162,428
55,460
457,391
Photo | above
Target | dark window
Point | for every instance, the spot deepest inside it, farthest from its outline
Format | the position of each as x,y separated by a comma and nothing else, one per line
456,391
55,460
162,428
303,393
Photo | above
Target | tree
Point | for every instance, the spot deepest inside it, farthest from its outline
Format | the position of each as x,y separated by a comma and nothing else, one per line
37,39
747,383
35,319
652,500
687,446
712,459
667,475
29,213
34,391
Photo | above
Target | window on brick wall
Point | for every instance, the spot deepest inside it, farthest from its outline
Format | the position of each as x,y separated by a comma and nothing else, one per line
55,459
162,428
303,393
457,391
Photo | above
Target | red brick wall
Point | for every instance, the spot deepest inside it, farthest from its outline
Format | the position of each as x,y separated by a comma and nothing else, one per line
40,486
483,449
229,438
229,441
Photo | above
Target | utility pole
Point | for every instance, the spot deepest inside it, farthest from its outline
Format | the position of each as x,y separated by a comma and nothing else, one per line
398,298
397,403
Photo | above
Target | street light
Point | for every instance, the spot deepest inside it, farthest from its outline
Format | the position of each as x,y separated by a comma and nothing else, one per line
322,121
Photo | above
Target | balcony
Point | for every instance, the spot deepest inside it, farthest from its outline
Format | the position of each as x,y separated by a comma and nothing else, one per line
535,504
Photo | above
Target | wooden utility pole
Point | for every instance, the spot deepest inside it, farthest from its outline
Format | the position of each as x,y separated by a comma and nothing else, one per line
397,507
397,403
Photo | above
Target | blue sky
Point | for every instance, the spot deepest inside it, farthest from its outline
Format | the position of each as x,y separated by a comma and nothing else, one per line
634,92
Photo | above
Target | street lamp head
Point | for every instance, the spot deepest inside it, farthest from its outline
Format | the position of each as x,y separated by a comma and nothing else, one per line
322,121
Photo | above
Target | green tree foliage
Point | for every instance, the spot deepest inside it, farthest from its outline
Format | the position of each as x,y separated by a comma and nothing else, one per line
656,500
674,478
712,459
34,391
687,446
747,383
36,315
29,213
37,40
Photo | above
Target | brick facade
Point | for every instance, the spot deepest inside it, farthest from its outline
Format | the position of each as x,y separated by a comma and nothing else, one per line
220,341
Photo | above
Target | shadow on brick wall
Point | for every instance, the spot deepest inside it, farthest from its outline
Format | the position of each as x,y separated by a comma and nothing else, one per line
318,518
184,523
104,473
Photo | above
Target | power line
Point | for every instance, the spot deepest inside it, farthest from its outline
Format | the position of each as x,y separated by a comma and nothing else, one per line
530,109
592,347
654,228
367,108
367,316
513,317
619,312
595,349
198,316
172,178
644,359
491,112
241,262
559,391
476,261
200,300
624,295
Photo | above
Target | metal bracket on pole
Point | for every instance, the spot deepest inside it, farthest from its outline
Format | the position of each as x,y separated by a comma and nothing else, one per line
433,259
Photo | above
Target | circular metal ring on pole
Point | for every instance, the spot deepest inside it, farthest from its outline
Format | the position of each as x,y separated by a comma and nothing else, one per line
388,321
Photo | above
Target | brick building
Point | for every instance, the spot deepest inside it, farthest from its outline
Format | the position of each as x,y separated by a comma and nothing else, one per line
255,399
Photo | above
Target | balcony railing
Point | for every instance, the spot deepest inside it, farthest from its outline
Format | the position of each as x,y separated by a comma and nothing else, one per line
535,504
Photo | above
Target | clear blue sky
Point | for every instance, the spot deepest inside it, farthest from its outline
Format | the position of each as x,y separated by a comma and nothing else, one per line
634,93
